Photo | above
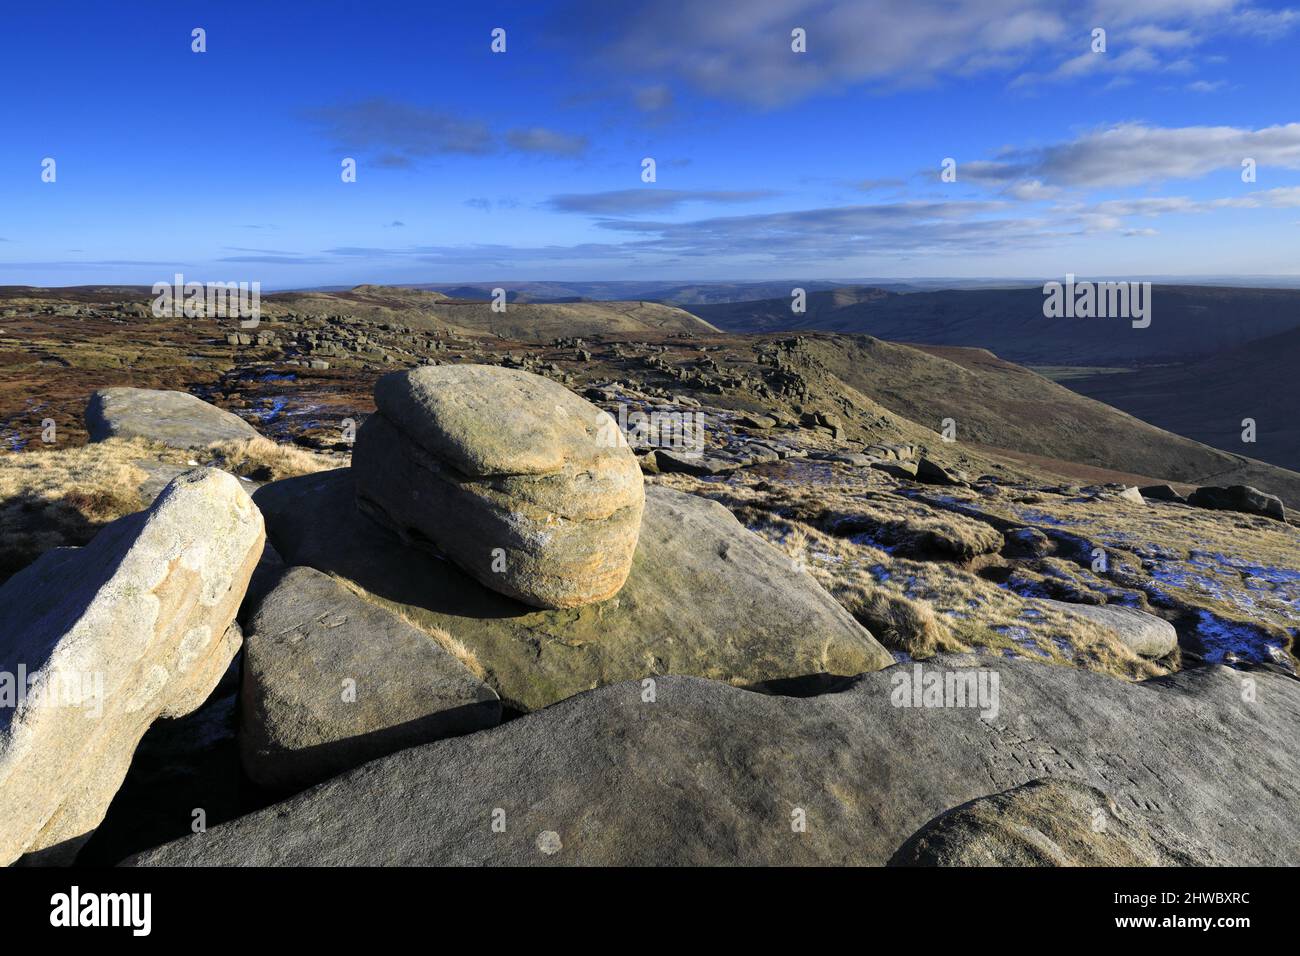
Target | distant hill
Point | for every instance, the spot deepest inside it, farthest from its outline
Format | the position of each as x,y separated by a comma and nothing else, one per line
1187,322
527,322
1207,399
996,403
672,293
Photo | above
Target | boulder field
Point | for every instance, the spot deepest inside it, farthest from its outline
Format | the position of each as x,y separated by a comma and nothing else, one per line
488,642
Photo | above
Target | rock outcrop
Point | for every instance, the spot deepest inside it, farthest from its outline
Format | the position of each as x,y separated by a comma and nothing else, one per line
688,771
177,419
134,626
704,597
331,681
523,484
1144,634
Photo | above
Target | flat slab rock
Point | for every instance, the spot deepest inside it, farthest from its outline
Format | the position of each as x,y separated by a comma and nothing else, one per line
704,597
705,773
331,681
177,419
136,625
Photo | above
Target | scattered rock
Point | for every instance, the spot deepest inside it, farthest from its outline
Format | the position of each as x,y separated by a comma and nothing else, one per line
1162,493
933,473
1144,634
1132,495
134,626
525,485
631,781
331,681
704,596
689,463
758,453
1241,498
899,469
842,458
177,419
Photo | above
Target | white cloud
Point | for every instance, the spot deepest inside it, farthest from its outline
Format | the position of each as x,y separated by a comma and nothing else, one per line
1133,154
740,49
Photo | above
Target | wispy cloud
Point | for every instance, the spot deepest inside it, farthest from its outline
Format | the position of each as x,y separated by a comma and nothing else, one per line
1132,154
741,50
871,185
654,98
904,229
400,129
397,134
279,257
623,202
537,139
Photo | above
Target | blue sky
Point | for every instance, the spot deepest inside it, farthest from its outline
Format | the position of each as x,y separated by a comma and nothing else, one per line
526,165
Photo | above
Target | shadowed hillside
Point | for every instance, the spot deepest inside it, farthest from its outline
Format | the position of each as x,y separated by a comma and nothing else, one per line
1187,322
1208,399
998,403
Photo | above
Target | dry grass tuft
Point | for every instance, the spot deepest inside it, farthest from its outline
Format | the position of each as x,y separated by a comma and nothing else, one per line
898,622
261,459
58,498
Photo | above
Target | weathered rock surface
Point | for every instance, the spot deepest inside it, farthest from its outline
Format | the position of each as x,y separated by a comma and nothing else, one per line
1047,823
710,774
704,597
520,482
177,419
134,626
331,681
1238,498
1144,634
